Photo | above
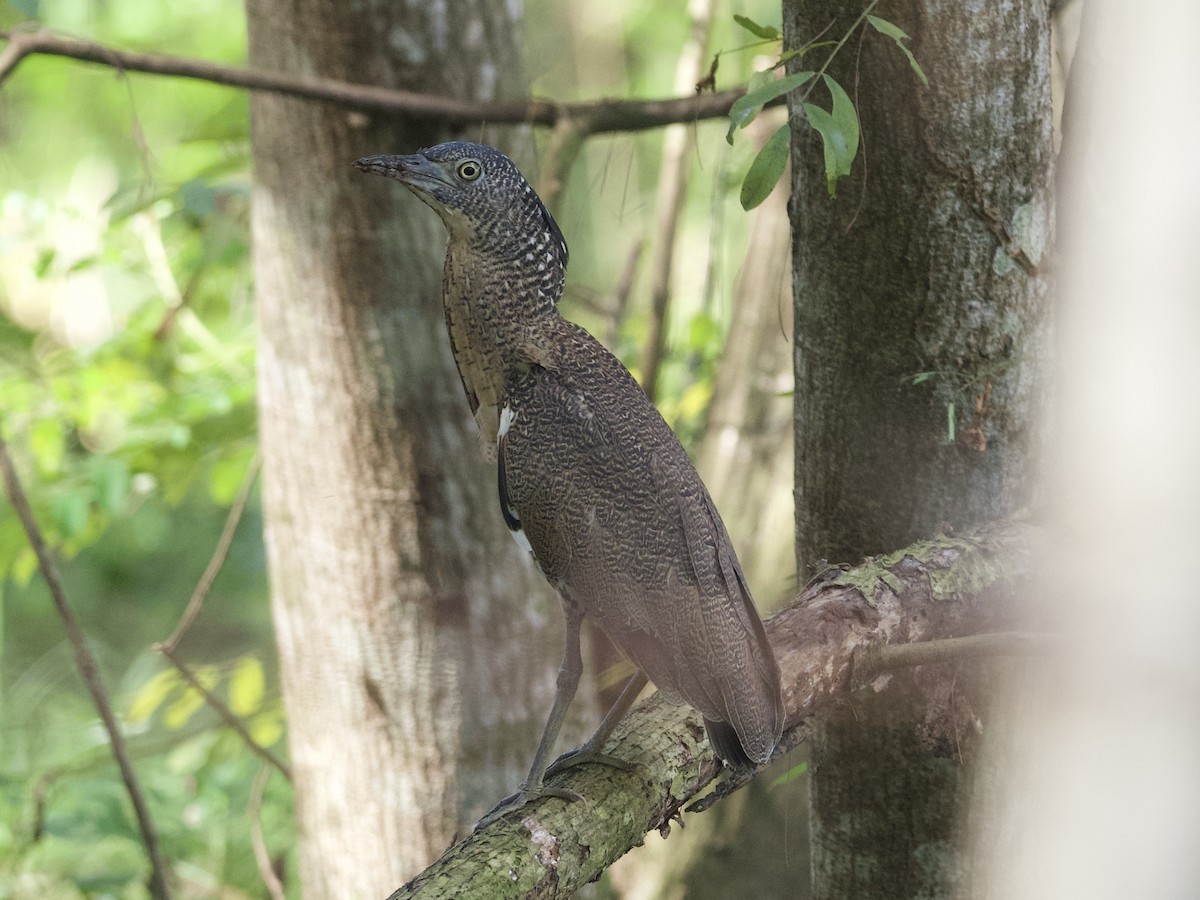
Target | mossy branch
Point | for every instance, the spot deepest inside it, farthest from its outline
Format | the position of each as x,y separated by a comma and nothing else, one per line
552,848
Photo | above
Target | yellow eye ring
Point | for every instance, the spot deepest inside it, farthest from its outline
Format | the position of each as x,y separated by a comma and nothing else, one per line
469,170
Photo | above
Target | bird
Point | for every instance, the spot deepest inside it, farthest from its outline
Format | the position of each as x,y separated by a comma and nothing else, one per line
590,478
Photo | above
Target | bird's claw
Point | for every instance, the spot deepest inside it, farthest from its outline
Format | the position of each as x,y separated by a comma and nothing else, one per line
524,796
586,754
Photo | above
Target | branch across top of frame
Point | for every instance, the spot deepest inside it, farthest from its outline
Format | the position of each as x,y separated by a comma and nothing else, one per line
592,117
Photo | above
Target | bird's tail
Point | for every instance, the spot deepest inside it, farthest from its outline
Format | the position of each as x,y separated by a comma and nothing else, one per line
727,745
749,729
748,692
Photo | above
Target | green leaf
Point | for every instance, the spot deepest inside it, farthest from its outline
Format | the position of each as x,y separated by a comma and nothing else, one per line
151,695
749,105
225,480
44,261
760,80
839,132
704,334
767,168
110,477
181,711
70,512
266,728
247,687
796,771
49,445
766,32
883,26
921,376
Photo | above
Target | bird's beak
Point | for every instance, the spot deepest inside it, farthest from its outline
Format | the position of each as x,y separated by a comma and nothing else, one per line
415,171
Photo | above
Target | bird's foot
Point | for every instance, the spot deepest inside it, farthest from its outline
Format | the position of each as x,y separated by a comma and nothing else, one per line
524,796
569,760
586,754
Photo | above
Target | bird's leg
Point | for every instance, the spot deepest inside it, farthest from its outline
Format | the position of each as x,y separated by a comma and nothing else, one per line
591,751
568,680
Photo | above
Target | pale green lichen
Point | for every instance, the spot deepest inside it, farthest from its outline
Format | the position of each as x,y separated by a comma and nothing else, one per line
955,568
864,579
975,570
894,583
1002,263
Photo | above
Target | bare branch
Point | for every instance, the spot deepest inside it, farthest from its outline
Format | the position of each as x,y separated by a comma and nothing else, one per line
226,714
88,670
594,117
933,590
622,291
262,856
167,648
974,646
668,202
203,586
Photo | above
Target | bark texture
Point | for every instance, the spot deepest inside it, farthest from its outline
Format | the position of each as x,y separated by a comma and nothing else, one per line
935,589
939,271
930,264
417,645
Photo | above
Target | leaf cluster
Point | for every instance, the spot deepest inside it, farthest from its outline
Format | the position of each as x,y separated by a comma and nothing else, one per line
837,125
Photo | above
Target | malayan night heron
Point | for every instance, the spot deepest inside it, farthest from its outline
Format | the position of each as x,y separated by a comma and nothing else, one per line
592,481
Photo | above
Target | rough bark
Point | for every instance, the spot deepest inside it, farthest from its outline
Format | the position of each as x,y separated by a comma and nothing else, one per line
935,589
416,642
930,261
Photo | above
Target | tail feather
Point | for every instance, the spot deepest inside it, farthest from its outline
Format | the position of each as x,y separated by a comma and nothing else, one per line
727,745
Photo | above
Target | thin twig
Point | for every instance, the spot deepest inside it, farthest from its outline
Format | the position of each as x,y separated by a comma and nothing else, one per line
262,856
227,715
862,17
668,203
88,670
622,291
218,559
195,604
12,55
562,149
922,653
594,117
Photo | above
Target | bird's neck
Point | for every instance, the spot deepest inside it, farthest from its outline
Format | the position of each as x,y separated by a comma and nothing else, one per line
499,311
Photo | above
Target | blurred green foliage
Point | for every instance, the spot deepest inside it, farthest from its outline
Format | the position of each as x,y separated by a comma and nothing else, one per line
127,394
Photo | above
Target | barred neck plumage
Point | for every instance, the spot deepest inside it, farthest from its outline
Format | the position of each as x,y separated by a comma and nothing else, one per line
500,285
505,262
499,296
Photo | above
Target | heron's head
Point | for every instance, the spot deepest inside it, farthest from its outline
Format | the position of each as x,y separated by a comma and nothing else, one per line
481,196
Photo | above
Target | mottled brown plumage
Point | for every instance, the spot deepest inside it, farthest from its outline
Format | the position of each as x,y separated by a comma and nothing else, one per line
591,479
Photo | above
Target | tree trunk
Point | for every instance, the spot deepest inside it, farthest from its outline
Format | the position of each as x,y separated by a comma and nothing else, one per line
417,644
927,264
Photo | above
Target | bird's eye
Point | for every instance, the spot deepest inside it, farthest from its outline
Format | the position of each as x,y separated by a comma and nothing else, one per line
469,170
